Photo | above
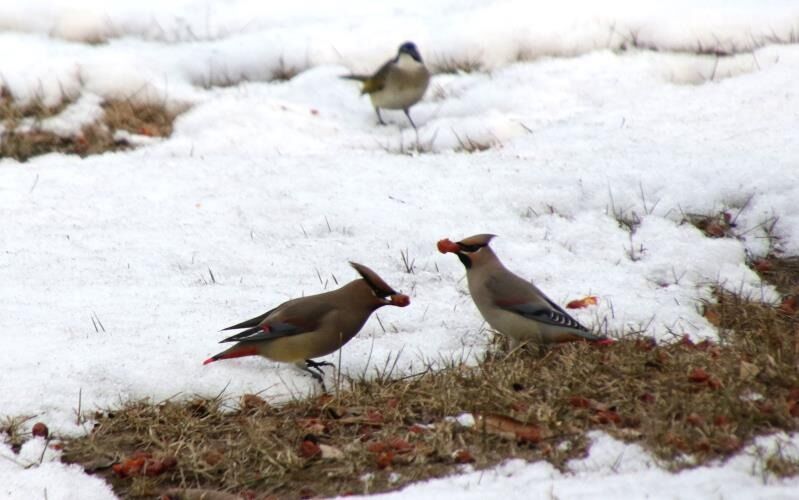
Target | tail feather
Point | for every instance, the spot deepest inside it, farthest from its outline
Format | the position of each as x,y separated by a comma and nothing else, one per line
233,352
250,322
243,335
359,78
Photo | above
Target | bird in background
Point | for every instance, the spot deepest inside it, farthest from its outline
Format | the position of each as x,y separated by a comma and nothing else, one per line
309,327
398,84
510,304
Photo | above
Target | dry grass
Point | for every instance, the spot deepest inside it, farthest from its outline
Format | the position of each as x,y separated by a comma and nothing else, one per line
285,72
96,138
465,144
440,64
782,272
719,225
686,403
12,428
144,119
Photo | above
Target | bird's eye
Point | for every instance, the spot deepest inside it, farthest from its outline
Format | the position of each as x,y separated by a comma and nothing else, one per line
470,248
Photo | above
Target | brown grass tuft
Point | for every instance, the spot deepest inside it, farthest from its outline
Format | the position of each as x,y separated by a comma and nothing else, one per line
285,72
12,429
719,225
96,138
444,64
782,272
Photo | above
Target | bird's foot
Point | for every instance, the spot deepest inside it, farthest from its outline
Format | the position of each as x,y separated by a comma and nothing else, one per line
317,365
379,117
313,368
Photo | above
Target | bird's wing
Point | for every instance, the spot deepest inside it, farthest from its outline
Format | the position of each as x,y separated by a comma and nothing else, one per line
251,322
377,81
292,318
516,295
544,314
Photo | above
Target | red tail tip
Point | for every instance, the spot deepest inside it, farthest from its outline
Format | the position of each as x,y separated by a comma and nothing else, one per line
209,360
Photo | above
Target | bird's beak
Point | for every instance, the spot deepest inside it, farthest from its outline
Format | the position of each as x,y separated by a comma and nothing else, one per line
446,246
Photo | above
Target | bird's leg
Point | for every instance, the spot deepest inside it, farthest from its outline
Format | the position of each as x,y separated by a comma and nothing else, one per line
408,114
317,375
317,365
379,118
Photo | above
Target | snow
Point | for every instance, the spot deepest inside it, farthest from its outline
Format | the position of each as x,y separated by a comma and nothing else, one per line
274,186
36,473
614,469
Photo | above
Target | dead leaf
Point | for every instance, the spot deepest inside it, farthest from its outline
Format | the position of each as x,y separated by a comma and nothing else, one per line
763,265
212,457
695,419
729,444
789,305
702,445
721,421
252,403
507,427
330,452
676,441
605,417
462,456
715,229
712,316
748,371
698,375
142,463
579,402
312,425
645,344
400,445
385,459
376,447
589,300
309,449
647,397
793,408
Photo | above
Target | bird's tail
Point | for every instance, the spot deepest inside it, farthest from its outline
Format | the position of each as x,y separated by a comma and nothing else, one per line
360,78
234,352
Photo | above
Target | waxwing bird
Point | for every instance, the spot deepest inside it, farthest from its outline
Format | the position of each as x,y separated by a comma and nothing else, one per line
511,305
398,84
309,327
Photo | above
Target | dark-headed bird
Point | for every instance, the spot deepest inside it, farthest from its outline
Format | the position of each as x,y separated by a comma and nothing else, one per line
398,84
